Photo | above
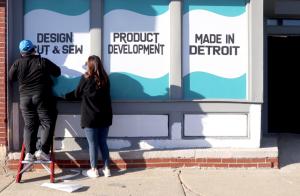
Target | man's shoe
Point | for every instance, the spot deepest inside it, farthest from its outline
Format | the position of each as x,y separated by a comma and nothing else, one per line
40,155
29,157
91,173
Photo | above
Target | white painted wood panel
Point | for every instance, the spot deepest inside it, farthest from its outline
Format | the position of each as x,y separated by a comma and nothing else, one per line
123,126
215,125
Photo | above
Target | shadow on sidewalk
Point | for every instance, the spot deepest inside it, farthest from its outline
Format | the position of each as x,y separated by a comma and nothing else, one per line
64,174
289,150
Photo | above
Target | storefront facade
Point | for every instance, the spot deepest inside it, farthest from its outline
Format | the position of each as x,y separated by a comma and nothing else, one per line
184,74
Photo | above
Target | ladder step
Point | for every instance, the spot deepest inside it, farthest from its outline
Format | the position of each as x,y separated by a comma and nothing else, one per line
26,165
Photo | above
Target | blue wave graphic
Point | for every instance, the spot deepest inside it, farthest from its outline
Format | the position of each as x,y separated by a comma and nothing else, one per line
201,85
230,8
126,86
145,7
66,7
63,85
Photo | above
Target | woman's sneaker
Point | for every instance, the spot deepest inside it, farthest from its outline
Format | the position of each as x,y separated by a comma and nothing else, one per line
29,157
40,155
91,173
106,172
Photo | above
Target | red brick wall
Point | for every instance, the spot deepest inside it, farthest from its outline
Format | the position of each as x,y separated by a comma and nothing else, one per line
3,116
267,162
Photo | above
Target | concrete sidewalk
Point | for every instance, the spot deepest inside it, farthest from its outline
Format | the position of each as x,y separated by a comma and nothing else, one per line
129,182
175,182
5,181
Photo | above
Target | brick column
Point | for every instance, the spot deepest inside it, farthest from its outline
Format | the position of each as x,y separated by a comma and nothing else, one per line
3,104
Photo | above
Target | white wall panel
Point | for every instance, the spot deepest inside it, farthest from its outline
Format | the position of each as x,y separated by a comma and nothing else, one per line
215,125
123,126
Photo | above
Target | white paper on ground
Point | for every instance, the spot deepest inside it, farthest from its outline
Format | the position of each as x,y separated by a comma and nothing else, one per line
63,187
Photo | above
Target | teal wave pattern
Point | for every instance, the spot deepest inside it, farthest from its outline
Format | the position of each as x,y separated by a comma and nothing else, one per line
66,7
230,8
126,86
144,7
63,85
202,85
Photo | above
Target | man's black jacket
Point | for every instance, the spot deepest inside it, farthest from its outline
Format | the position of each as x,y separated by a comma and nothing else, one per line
34,74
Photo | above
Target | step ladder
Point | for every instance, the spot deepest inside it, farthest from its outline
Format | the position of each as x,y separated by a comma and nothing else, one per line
26,165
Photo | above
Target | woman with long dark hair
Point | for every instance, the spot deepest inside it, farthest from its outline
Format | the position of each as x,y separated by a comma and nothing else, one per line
96,112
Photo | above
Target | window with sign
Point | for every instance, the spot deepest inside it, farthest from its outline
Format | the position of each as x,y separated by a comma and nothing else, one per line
215,49
137,48
61,31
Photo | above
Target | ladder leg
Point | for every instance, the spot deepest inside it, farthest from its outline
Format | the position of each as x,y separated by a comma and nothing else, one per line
20,167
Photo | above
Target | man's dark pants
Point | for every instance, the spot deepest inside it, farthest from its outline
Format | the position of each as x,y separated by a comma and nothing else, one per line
39,113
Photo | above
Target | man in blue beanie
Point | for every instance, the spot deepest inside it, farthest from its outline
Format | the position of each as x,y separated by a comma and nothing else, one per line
36,100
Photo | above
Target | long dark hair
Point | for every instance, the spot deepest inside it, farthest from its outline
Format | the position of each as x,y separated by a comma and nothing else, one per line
95,69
